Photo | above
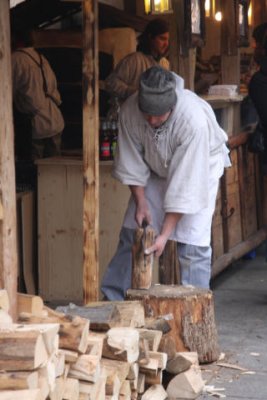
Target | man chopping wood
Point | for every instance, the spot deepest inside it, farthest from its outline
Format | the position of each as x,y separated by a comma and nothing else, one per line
171,153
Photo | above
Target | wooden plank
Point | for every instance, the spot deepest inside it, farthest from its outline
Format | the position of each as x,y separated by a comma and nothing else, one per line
228,30
238,251
247,192
28,235
60,244
90,152
57,38
217,229
8,232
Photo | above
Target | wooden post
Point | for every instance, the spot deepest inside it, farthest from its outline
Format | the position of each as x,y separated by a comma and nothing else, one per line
90,152
8,223
259,12
230,53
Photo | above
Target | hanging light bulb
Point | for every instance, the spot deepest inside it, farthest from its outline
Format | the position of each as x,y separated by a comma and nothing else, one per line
250,13
217,10
157,6
218,16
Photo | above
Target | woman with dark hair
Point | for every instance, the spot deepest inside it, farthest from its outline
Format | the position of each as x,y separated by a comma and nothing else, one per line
152,48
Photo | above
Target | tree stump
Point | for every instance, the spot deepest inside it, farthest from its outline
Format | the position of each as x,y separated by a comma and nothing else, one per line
142,264
193,326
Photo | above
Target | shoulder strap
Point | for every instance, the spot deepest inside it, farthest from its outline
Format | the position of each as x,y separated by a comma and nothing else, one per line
40,65
29,55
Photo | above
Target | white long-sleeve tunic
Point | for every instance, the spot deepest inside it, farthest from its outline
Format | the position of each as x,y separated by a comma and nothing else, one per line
179,164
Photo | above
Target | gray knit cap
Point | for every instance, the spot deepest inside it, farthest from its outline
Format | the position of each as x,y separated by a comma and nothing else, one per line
157,93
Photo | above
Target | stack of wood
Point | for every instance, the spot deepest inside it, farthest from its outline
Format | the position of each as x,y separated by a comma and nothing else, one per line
53,355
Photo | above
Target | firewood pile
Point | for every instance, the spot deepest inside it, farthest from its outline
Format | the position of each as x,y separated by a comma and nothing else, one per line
104,351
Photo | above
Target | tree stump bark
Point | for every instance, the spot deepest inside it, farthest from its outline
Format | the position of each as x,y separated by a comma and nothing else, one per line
142,263
193,326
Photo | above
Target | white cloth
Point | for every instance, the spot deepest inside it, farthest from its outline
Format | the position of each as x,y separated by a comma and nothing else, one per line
29,96
179,164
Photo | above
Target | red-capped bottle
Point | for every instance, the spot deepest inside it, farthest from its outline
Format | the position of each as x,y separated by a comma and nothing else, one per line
104,145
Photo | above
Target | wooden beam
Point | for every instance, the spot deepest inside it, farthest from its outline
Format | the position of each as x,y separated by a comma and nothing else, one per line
8,230
230,59
238,251
259,12
90,152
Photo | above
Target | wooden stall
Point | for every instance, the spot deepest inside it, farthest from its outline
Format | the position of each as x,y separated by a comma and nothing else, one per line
80,207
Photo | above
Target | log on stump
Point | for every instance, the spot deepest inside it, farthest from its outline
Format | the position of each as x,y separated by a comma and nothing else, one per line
142,264
169,268
193,324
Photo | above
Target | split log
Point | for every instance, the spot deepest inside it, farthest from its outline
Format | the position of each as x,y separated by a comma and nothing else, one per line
46,381
141,383
21,350
193,325
102,315
73,331
142,264
161,357
158,324
155,392
182,362
59,360
143,357
125,389
33,394
113,384
151,367
152,336
29,303
153,379
95,345
167,345
5,320
86,368
133,371
70,356
122,344
120,367
187,385
169,268
71,389
128,314
58,392
4,300
18,380
94,391
48,331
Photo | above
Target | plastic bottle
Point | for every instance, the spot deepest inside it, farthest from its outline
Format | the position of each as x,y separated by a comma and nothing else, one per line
114,137
104,146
